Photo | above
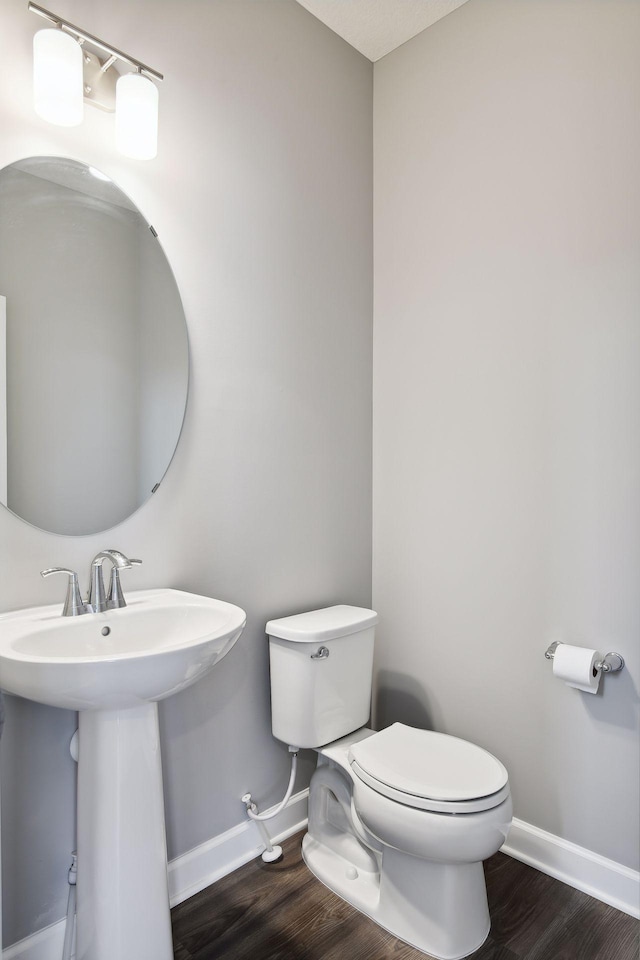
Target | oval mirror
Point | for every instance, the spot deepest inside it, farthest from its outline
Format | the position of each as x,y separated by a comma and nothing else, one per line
94,356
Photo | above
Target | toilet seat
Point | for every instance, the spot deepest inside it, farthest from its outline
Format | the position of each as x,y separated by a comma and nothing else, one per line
429,771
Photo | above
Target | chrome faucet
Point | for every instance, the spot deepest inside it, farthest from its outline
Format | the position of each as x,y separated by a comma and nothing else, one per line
115,597
97,601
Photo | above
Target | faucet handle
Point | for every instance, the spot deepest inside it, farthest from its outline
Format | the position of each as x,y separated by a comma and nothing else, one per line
74,605
115,598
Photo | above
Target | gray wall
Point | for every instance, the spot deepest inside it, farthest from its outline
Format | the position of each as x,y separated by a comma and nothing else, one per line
261,195
506,404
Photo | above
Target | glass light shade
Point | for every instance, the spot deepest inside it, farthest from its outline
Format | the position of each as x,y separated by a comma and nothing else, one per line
57,78
136,117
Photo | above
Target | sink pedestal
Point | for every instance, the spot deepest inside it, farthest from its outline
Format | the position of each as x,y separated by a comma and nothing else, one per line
113,667
123,898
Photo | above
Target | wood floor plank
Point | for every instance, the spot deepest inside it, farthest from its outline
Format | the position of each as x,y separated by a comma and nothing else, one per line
490,950
243,906
523,902
179,952
594,931
281,912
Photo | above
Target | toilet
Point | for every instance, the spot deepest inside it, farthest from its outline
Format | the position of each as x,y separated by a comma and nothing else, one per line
399,820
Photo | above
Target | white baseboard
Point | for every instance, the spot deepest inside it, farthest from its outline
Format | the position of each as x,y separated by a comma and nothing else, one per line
601,878
202,866
46,944
189,873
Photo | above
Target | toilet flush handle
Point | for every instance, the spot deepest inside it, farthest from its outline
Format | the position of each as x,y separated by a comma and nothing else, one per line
321,654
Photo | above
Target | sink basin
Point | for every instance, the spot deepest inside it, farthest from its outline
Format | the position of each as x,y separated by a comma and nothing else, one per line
113,667
161,642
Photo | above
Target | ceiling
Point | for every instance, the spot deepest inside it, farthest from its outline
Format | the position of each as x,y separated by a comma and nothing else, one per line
375,27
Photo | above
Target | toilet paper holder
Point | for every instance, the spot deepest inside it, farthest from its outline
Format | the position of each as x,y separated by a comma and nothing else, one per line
610,663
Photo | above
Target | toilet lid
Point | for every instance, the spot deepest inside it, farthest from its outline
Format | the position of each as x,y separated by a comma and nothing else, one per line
428,766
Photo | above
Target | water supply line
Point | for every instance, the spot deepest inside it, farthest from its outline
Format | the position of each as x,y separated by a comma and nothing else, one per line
71,909
72,878
272,852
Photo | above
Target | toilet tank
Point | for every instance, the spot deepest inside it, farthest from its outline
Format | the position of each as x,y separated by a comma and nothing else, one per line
321,666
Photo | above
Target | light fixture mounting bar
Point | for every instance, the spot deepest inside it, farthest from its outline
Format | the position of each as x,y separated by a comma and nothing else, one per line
94,41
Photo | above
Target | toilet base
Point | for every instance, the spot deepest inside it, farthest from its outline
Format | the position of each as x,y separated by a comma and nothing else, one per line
438,908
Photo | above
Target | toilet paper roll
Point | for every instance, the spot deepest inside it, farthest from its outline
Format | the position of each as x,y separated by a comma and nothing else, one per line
577,667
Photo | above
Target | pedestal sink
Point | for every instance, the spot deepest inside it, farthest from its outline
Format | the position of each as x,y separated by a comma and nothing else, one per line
113,667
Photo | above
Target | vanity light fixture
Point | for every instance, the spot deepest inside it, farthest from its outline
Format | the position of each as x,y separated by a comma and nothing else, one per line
72,67
57,78
136,116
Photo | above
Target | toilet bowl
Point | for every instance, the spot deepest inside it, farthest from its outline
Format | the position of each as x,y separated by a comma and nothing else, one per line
399,820
416,871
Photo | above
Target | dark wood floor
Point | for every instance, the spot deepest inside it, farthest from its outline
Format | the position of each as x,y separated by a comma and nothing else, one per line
281,912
